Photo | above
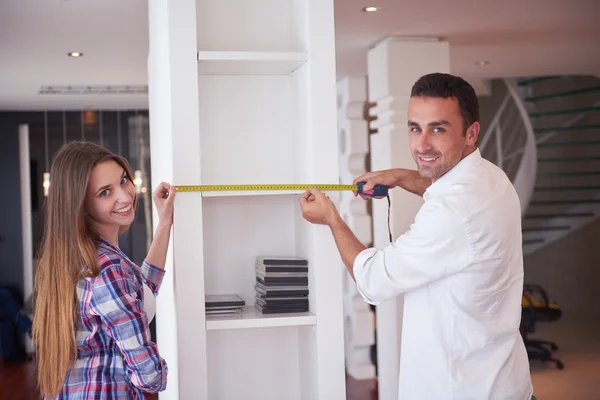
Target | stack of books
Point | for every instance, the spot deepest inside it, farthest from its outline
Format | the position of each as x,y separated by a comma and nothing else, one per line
223,304
281,285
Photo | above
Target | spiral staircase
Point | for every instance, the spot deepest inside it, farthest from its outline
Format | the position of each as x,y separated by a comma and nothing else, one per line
545,136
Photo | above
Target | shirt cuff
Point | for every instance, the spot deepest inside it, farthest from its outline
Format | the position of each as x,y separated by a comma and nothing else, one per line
361,273
153,275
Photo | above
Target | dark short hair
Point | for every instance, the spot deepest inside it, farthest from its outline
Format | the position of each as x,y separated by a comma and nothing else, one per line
446,86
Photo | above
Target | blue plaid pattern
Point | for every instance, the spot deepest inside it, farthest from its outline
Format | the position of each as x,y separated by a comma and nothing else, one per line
115,357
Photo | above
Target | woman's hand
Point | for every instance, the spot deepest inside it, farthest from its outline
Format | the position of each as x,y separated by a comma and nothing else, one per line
164,196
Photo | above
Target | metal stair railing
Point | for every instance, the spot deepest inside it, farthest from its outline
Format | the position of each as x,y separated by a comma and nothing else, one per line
514,140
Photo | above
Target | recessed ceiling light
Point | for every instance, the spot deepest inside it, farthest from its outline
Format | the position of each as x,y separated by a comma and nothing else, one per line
482,63
371,9
75,54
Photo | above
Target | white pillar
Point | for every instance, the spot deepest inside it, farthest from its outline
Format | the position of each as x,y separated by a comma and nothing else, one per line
353,134
173,106
26,227
394,65
24,170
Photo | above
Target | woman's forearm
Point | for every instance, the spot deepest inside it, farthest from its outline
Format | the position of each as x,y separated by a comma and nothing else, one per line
157,255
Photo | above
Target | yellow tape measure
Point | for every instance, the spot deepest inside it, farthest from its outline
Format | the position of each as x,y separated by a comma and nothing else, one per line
378,190
219,188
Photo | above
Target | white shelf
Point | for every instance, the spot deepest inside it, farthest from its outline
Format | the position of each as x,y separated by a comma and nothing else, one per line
231,193
249,62
252,318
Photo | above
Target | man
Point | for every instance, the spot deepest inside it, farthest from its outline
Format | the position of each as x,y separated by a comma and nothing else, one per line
460,265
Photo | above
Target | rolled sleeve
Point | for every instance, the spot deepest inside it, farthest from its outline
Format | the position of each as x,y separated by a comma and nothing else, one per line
153,276
435,247
362,276
115,300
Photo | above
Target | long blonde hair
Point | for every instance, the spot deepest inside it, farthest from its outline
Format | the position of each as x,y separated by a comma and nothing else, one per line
68,246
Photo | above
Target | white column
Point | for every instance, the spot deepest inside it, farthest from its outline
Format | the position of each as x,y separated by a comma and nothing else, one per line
26,228
175,152
320,125
394,65
26,210
353,134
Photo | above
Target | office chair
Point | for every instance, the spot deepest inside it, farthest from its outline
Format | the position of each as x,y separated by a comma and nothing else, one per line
537,307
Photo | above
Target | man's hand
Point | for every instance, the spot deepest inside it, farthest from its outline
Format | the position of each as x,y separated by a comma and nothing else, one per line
407,179
317,208
388,177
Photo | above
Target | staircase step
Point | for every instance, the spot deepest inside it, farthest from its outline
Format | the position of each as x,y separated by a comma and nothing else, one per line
567,128
559,215
563,94
533,241
556,202
529,81
569,144
547,228
567,159
563,112
573,173
564,188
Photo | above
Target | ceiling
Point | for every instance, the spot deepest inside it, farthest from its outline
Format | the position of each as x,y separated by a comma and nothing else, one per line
36,35
518,38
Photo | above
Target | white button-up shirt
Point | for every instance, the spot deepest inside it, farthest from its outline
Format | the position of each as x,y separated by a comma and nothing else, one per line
460,266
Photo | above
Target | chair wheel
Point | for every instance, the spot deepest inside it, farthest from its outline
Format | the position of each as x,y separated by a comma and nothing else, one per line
553,346
560,365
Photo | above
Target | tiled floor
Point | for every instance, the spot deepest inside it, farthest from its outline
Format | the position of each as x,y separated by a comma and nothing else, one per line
361,390
579,342
579,350
18,381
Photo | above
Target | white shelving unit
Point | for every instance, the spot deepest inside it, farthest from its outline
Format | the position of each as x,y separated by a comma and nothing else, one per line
249,62
252,318
248,193
245,93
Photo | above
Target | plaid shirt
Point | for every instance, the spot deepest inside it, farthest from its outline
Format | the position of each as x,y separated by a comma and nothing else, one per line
115,357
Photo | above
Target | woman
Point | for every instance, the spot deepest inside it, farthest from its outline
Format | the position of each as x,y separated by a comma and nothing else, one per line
90,328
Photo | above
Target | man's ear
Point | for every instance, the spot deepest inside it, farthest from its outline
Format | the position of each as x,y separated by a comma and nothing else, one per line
473,133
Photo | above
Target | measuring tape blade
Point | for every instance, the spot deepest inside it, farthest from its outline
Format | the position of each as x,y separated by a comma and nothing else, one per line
224,188
378,190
